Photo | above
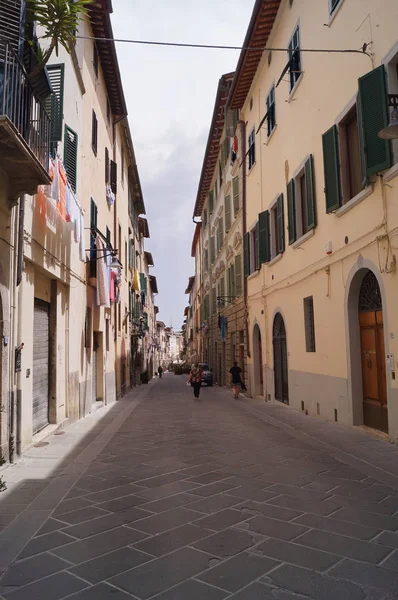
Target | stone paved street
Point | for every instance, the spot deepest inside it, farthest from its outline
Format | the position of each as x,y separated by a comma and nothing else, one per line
163,497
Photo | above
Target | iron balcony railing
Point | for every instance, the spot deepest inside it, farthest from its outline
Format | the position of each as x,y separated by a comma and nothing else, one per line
22,106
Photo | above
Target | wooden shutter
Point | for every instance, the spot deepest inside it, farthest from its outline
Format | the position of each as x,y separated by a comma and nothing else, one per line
94,133
222,287
143,282
280,225
211,201
113,177
213,300
373,100
55,102
310,191
246,249
235,194
238,275
291,211
257,249
70,156
233,284
227,205
221,231
226,144
331,165
264,239
212,249
106,165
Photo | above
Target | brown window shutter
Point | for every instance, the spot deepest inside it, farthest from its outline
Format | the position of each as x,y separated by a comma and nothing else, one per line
113,177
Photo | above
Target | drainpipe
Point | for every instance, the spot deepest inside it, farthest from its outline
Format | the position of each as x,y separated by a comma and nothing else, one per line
244,226
14,326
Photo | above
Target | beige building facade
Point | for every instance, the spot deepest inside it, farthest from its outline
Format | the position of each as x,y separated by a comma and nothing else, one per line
321,208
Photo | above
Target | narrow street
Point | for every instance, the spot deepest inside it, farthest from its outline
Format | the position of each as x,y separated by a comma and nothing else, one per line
163,497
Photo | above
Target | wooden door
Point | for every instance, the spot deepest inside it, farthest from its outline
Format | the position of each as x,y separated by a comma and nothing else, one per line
373,355
281,373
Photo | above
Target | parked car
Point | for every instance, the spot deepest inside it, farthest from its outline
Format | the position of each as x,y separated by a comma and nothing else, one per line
207,375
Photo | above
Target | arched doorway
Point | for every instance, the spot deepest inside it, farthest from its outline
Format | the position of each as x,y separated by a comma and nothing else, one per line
370,311
281,377
258,362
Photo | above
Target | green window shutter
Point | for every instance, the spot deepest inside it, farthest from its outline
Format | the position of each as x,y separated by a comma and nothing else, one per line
331,165
211,201
70,156
226,150
235,194
373,101
222,287
310,191
212,249
264,241
221,231
238,275
93,214
280,224
246,245
113,176
227,205
361,133
291,211
258,263
55,102
214,300
143,282
233,284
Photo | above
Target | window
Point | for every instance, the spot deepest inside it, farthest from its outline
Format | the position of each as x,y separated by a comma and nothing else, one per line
294,58
107,165
252,148
94,133
392,84
246,249
93,235
231,281
108,236
227,208
87,328
122,161
309,325
55,102
120,243
235,194
213,301
238,276
206,260
301,208
333,4
211,201
212,249
95,59
277,228
271,123
113,177
220,234
107,337
70,156
254,248
350,156
220,173
204,219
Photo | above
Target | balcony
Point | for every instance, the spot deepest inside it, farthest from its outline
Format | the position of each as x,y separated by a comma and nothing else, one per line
24,129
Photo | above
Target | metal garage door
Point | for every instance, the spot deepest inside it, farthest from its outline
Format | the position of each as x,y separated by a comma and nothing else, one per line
41,345
94,377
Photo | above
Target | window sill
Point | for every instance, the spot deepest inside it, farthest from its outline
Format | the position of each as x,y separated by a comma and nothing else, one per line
270,135
293,91
391,173
253,275
275,259
334,13
303,239
354,201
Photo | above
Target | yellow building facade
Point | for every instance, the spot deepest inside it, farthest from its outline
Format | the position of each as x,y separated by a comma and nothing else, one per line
321,207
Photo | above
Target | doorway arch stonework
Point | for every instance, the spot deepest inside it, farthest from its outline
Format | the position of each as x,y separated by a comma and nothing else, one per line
353,336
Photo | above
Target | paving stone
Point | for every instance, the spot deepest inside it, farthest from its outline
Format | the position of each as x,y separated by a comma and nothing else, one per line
314,585
252,493
31,569
172,540
71,505
268,510
95,484
386,507
207,478
160,574
296,554
214,488
222,520
367,575
96,545
102,591
366,518
51,525
124,517
121,503
213,504
200,469
391,561
170,489
45,542
83,514
325,507
157,506
345,546
237,572
260,591
275,528
54,587
114,492
193,590
387,538
167,520
161,480
109,565
293,490
353,530
226,543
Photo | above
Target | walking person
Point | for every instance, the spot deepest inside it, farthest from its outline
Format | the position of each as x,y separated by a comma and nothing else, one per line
160,371
195,379
236,379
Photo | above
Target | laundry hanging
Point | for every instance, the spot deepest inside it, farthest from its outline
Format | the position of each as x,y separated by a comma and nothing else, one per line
103,298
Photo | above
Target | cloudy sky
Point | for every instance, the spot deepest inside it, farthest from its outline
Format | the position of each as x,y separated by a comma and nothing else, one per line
170,95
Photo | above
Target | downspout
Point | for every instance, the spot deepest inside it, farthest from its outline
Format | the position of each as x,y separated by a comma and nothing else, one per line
244,226
14,332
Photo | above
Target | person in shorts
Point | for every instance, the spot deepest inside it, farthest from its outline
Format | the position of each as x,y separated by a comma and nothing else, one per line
236,379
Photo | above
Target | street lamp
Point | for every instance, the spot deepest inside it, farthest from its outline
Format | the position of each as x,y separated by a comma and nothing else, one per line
391,131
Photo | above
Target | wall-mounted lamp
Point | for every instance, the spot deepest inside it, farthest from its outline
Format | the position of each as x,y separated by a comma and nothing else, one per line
391,131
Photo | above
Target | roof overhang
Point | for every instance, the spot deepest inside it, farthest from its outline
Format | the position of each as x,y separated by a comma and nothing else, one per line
186,311
260,27
160,324
213,142
156,309
143,227
154,284
99,13
195,239
191,281
149,259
